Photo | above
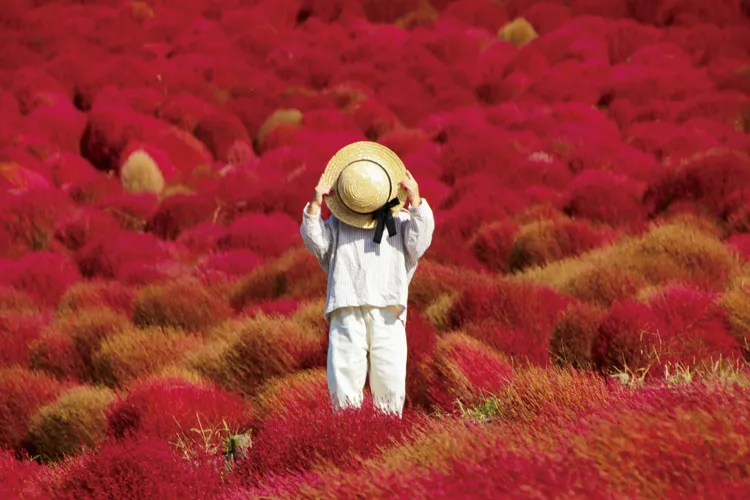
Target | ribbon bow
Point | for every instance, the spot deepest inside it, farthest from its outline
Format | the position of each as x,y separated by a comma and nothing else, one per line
385,219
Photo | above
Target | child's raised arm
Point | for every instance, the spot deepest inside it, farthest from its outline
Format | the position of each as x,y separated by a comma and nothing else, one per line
421,224
317,234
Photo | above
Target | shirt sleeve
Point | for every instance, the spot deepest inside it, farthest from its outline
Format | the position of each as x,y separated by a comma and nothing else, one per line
417,230
317,236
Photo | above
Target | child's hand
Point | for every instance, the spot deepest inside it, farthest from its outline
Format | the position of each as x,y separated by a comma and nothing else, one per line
412,189
321,191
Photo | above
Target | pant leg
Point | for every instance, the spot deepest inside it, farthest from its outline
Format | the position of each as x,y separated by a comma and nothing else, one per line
388,355
347,357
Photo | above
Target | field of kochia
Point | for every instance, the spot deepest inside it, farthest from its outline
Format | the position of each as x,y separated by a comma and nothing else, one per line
579,327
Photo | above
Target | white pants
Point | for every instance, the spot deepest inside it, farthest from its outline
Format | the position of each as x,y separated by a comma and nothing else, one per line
356,332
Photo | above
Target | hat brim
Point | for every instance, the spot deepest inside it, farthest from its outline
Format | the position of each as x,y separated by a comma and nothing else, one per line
358,151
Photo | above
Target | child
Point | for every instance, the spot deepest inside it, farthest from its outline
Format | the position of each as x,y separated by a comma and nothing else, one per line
368,275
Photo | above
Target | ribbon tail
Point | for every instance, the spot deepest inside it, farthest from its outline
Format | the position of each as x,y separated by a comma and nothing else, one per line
379,230
390,224
385,220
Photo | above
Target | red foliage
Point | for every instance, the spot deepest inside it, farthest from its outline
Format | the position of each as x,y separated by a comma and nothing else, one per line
139,468
403,141
690,12
9,105
501,473
22,392
161,408
741,244
389,12
29,152
719,182
220,133
487,15
518,344
17,331
95,189
730,108
67,168
373,118
516,305
493,244
55,353
105,256
421,339
465,370
278,307
180,212
43,275
29,220
108,132
111,129
678,325
546,17
183,110
267,235
295,441
130,210
61,124
202,237
77,228
95,293
233,262
605,197
32,87
17,476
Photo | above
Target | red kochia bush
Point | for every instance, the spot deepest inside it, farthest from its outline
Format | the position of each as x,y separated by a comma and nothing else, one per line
66,168
43,275
268,235
605,197
22,392
104,256
421,340
678,325
502,473
688,12
111,129
719,182
139,468
464,369
220,132
108,132
183,110
278,307
488,155
180,212
493,244
17,477
516,305
61,124
29,220
546,17
296,441
17,331
79,227
161,407
87,294
202,237
488,15
729,108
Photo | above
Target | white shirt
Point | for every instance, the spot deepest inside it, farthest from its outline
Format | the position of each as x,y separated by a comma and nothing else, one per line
362,272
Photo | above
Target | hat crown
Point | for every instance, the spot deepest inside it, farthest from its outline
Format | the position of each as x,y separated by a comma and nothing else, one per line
364,186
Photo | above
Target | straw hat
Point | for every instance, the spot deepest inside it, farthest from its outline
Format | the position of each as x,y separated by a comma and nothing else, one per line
364,177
